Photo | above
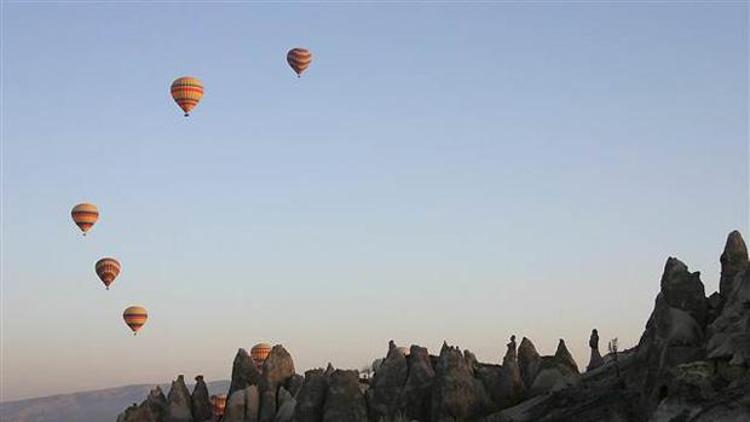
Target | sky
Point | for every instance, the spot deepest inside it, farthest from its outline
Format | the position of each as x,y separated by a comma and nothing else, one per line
443,171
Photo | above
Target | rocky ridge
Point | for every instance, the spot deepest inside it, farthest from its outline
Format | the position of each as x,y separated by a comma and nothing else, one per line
690,365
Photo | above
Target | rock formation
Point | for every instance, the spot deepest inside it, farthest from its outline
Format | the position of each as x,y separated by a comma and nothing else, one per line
596,358
690,365
201,406
180,405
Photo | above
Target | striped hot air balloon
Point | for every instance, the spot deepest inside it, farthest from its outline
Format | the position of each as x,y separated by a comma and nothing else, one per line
259,353
85,215
218,404
187,92
299,59
107,269
135,317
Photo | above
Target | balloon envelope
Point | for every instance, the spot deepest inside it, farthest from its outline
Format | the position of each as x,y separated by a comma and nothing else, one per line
259,353
187,92
299,59
135,317
107,269
218,404
85,215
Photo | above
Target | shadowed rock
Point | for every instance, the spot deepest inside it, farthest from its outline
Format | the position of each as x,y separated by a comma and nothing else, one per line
311,397
242,406
456,394
734,260
154,409
344,400
278,368
414,401
244,372
387,384
684,290
596,358
528,361
563,356
511,387
179,402
201,405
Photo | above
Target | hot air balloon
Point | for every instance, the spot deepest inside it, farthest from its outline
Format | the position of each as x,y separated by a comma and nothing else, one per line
107,269
187,92
404,350
135,317
218,404
299,59
85,215
259,353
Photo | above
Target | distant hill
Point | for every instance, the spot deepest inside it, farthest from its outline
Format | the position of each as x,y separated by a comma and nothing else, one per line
89,406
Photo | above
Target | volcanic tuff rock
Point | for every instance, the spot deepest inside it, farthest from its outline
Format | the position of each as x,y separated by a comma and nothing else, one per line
528,361
690,365
596,358
179,402
201,406
244,373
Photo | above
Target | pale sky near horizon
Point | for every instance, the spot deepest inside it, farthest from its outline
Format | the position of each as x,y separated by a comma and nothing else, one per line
443,171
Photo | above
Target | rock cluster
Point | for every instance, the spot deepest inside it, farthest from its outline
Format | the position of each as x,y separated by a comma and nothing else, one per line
691,365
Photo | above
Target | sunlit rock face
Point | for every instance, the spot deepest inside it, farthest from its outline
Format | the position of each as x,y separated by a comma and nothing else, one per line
690,365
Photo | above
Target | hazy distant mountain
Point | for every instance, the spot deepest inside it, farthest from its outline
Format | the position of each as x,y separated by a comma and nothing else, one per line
89,406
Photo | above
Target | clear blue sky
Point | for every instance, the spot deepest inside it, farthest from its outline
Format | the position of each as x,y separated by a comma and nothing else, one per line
442,171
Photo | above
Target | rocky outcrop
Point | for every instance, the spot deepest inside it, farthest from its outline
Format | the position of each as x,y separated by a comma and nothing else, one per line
510,386
312,397
243,405
344,400
690,365
154,409
180,406
201,405
734,260
595,360
456,394
414,402
387,384
556,372
528,361
244,372
278,368
674,333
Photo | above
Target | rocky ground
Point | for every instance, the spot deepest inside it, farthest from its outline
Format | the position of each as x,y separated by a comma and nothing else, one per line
690,365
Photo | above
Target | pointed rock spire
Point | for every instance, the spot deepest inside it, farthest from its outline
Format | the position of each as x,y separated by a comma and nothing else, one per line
563,356
596,358
528,361
734,260
201,405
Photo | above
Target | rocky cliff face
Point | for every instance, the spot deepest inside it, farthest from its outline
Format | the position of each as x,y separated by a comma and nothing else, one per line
690,365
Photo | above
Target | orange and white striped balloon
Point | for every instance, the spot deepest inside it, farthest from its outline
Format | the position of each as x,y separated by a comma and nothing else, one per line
299,59
187,93
107,269
135,317
218,404
85,215
259,353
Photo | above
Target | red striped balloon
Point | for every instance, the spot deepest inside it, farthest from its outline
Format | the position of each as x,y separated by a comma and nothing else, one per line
299,59
107,269
85,215
218,404
135,317
187,93
259,353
